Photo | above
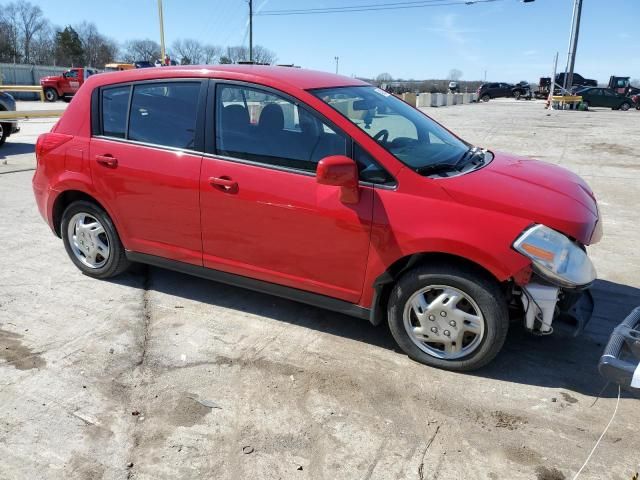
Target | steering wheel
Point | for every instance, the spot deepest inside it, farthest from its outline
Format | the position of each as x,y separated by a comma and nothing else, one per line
382,136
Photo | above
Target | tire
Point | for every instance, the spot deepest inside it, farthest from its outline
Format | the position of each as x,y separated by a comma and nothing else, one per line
481,306
4,132
78,242
586,105
485,98
625,106
50,94
517,94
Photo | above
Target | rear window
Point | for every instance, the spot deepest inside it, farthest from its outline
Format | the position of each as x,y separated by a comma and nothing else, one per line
115,102
165,114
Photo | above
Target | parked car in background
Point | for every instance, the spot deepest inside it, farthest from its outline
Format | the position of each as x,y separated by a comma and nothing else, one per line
66,85
487,91
636,100
281,180
578,80
454,87
604,97
7,127
521,90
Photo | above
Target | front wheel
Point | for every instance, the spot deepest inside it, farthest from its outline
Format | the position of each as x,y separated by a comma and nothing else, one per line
91,240
449,317
625,106
517,94
485,98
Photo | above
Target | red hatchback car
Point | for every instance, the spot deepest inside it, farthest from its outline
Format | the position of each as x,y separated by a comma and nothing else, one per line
321,189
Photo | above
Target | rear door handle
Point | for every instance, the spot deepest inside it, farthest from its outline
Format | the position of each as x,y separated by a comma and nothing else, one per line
224,183
107,160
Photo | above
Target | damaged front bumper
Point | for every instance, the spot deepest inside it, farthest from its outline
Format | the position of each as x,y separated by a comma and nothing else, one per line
620,362
545,304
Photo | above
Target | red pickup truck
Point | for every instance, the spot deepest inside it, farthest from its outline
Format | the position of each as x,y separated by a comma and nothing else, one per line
66,85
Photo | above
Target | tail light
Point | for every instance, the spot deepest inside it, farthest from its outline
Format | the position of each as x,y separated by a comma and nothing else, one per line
49,141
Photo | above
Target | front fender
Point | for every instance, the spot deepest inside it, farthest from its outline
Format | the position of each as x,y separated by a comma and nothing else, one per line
437,224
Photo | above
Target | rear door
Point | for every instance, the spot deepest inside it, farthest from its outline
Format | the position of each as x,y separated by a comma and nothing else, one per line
263,213
145,162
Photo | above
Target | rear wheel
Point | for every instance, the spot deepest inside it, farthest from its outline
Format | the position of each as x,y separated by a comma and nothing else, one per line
448,316
50,94
91,240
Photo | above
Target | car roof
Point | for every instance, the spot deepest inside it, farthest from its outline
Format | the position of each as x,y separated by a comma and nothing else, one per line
263,74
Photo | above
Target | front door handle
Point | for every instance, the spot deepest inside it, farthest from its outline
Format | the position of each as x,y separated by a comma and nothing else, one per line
107,160
224,183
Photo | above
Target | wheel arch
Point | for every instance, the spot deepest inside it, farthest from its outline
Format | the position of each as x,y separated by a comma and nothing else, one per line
384,282
63,200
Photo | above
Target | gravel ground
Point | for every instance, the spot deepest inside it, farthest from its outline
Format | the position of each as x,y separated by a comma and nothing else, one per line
159,375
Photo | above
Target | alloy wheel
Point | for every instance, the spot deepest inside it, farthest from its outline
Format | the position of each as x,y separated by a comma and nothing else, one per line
444,322
88,240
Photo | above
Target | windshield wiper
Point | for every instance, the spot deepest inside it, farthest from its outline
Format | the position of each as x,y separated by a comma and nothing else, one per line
436,168
466,158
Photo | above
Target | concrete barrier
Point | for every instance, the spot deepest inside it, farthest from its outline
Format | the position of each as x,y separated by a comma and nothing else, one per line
424,100
410,98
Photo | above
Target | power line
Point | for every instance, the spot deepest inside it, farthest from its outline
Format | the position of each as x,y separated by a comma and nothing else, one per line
371,7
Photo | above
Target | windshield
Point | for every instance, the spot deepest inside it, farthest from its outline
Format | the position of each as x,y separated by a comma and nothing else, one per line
410,136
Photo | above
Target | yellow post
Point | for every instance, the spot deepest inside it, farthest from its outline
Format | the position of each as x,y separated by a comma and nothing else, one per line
162,51
23,88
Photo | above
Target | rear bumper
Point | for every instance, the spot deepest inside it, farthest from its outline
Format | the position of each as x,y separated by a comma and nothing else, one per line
620,361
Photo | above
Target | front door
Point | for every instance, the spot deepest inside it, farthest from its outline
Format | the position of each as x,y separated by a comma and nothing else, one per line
263,213
70,83
149,173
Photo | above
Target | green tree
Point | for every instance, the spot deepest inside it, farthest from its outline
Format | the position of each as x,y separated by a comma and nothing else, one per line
69,49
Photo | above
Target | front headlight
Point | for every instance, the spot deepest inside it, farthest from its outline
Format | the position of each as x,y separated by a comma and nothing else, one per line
555,257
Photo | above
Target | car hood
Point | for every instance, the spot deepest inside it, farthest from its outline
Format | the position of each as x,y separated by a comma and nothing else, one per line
537,191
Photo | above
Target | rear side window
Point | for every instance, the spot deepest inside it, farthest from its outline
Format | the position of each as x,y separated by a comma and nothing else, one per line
165,114
115,103
263,127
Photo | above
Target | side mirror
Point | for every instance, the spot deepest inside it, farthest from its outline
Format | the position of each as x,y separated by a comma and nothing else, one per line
340,171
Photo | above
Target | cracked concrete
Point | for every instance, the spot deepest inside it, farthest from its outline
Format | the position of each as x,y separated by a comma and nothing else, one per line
100,377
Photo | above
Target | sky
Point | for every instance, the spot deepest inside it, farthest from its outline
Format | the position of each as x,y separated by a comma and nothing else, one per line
507,39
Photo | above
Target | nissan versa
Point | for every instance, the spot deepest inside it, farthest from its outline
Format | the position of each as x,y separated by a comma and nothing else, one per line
322,189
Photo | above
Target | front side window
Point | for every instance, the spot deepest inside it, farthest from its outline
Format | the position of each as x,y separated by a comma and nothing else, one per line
165,113
260,126
115,103
412,137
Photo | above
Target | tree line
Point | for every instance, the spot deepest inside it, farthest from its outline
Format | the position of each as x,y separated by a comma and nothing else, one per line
28,37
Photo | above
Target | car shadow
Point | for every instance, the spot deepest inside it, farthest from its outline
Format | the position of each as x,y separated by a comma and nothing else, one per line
15,148
555,361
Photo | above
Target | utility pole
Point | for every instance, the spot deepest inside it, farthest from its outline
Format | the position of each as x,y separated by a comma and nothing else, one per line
573,44
251,30
337,59
162,50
